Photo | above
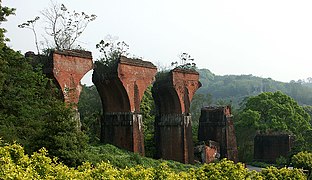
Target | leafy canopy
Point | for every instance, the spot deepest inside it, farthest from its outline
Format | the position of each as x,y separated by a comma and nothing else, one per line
270,112
278,112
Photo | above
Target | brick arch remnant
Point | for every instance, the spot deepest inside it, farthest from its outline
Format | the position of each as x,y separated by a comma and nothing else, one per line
172,93
121,88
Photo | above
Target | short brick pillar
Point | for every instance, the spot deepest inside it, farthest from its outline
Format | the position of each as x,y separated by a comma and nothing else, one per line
269,147
173,93
216,124
121,88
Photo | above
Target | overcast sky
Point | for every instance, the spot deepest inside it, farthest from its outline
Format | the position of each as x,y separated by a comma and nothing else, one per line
267,38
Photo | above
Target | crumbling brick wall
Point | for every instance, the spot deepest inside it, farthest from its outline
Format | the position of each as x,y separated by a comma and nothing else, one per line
207,152
216,124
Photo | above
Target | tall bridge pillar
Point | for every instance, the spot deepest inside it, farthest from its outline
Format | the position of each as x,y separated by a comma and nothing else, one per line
121,88
173,93
68,68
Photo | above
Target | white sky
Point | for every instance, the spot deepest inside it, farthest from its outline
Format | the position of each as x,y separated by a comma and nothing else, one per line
267,38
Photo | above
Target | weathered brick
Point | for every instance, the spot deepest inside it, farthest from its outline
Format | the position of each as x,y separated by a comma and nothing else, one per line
68,69
269,147
173,93
121,88
216,124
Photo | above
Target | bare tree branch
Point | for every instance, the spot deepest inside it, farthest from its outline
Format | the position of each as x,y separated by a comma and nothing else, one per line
64,26
30,24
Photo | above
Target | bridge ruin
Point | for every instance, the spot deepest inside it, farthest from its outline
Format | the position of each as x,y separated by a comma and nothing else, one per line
121,88
216,124
66,68
173,93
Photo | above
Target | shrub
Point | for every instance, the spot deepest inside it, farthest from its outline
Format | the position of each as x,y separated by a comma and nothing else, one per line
302,160
283,173
15,164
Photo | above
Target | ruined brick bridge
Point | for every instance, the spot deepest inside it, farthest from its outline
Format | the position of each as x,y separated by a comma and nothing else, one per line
121,88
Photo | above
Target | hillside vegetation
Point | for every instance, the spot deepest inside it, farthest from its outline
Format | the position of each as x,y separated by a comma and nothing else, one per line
235,88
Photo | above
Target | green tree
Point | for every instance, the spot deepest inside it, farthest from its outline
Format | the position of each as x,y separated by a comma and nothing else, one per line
271,112
147,108
198,101
246,128
279,112
90,109
308,109
30,111
61,137
4,13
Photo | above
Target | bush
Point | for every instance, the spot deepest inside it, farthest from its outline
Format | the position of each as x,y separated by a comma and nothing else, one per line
282,161
15,164
303,160
283,173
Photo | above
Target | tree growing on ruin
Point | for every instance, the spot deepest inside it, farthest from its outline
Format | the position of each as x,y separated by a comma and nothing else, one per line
31,24
185,62
111,50
63,25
